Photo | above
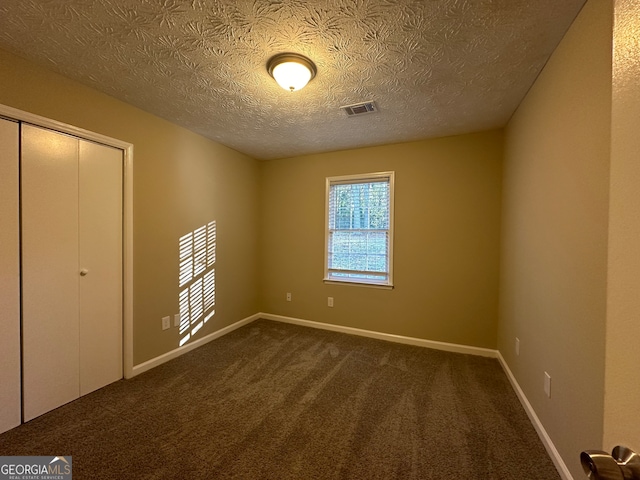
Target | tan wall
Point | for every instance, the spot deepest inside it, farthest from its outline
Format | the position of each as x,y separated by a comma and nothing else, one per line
447,209
181,181
554,242
622,386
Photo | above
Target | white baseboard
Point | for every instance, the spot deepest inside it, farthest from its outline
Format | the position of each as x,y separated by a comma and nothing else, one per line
154,362
563,471
449,347
419,342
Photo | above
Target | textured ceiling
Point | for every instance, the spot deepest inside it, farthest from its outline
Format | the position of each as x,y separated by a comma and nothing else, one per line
434,67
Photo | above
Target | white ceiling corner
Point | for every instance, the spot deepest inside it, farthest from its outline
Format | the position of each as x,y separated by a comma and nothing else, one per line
433,67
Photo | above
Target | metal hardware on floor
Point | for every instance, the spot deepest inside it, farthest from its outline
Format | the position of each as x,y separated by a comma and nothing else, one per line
622,464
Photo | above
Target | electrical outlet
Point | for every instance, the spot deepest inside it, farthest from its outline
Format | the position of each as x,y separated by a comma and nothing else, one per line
166,323
176,320
330,301
517,346
288,296
547,384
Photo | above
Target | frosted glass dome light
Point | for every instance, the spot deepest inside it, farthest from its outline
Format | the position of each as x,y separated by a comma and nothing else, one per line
291,71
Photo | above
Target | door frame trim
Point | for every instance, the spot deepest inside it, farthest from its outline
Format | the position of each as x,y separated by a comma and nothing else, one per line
127,214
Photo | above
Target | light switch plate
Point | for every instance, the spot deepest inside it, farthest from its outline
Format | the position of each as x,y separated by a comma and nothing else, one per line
547,384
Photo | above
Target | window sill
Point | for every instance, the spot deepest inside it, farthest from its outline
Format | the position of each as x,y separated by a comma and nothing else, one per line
358,284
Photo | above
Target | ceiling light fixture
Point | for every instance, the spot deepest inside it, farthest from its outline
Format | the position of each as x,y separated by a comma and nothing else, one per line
291,71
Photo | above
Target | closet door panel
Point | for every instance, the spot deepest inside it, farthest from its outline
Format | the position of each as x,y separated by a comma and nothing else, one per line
49,270
101,259
9,277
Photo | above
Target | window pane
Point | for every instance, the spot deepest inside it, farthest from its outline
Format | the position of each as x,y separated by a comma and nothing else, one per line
359,206
358,235
357,250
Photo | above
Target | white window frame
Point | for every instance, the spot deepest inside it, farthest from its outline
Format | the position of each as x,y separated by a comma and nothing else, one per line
352,179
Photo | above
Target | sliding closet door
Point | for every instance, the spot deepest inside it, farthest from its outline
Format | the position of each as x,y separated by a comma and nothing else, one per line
71,268
9,278
101,266
50,271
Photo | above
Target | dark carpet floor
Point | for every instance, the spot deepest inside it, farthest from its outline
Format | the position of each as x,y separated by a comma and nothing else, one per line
279,401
